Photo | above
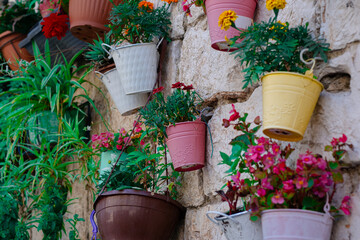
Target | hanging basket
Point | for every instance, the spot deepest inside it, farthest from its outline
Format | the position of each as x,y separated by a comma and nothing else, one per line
290,224
126,104
10,50
186,143
134,214
244,9
137,66
89,17
237,226
289,100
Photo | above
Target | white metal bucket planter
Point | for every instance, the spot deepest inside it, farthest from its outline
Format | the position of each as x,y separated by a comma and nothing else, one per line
237,226
126,104
137,66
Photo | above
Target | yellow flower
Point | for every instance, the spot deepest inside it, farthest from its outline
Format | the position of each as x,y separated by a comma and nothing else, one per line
226,18
275,4
273,27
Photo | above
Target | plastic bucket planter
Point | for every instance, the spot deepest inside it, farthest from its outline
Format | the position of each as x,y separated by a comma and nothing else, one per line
290,224
108,158
244,9
237,226
289,100
126,104
9,47
186,143
89,17
137,66
133,214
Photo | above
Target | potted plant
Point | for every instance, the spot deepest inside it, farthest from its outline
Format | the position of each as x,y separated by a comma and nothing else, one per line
140,192
16,21
236,222
89,18
136,26
273,52
98,56
175,121
244,10
302,195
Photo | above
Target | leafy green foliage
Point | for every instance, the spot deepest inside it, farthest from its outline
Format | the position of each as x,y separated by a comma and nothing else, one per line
129,22
8,216
19,17
274,46
74,233
96,53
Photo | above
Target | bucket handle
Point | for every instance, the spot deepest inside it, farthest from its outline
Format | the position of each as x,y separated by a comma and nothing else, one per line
95,228
327,207
221,214
104,77
104,45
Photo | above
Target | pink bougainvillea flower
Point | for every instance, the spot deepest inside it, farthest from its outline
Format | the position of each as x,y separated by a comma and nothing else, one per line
301,182
236,179
345,205
343,139
277,198
265,183
288,186
55,26
235,114
189,87
156,90
177,85
261,192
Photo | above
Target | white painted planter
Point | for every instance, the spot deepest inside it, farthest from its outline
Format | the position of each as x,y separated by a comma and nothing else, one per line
137,66
126,104
237,226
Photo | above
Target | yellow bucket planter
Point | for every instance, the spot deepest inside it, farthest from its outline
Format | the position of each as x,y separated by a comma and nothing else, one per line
289,100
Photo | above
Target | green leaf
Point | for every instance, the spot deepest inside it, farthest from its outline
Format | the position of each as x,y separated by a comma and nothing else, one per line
333,165
309,203
254,218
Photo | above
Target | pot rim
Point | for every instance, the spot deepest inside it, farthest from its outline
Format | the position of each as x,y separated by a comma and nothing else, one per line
220,218
187,122
295,210
139,193
6,33
294,74
107,68
132,45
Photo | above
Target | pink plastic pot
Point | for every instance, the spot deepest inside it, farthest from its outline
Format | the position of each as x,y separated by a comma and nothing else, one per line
244,9
186,143
290,224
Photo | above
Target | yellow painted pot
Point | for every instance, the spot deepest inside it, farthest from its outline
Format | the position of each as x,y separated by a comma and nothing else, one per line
289,100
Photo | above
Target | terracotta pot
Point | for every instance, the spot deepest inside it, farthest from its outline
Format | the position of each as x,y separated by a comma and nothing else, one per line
237,226
289,100
89,17
136,215
244,9
290,224
186,143
9,47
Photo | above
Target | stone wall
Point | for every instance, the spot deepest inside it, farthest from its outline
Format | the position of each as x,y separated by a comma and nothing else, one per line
218,79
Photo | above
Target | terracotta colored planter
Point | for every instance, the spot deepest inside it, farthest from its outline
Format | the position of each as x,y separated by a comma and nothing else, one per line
89,17
244,9
289,100
290,224
186,143
9,47
237,226
136,215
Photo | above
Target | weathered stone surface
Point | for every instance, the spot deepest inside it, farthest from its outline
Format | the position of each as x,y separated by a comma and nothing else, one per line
191,191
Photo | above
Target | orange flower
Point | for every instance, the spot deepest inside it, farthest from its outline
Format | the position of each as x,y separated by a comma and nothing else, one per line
170,1
145,4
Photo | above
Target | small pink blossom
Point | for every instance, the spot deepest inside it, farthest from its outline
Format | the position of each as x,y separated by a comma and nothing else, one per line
261,192
277,198
343,139
321,163
95,137
308,159
263,140
236,179
107,145
265,183
334,142
142,142
301,182
127,140
235,114
119,147
288,186
275,149
345,205
123,132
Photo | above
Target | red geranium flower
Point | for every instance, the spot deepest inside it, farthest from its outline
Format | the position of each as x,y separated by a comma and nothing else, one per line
190,87
55,26
156,90
178,85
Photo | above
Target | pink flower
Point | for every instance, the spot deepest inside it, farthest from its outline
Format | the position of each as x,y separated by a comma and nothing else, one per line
236,179
261,192
321,163
127,140
345,205
95,137
275,149
288,186
257,149
343,139
263,141
107,145
301,182
268,161
120,140
308,159
265,183
334,142
156,90
119,147
277,198
142,142
123,131
280,167
235,114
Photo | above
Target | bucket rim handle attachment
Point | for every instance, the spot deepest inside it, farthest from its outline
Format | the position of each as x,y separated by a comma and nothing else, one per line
104,77
112,48
221,214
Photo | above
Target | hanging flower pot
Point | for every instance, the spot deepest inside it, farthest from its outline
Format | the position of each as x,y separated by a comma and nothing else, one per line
244,9
137,66
10,50
126,104
289,100
297,224
119,215
237,226
186,143
89,17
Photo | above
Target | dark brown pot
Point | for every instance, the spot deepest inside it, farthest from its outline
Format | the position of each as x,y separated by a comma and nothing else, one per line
136,215
9,46
89,17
